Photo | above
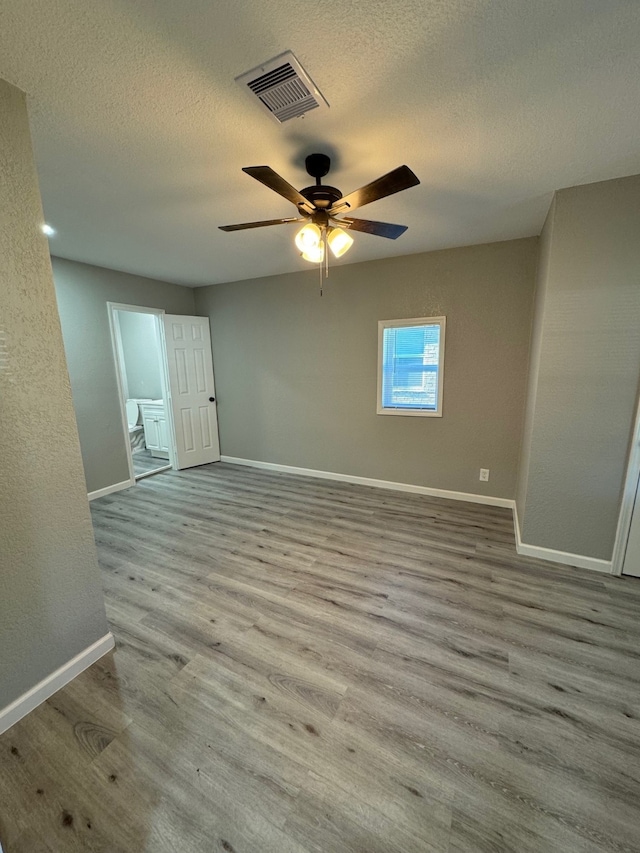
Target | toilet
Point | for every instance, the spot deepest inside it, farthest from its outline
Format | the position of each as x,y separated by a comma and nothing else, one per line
134,422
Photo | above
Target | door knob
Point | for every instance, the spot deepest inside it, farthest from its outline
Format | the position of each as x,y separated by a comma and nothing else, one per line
212,399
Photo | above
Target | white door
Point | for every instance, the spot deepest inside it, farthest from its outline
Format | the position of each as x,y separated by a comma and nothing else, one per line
632,554
192,390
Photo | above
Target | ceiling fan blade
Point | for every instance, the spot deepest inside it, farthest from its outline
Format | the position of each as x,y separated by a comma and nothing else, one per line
271,179
259,224
394,182
380,229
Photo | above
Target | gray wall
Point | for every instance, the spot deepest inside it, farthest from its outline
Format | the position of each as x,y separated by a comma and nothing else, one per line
544,254
586,369
141,354
83,292
51,605
296,373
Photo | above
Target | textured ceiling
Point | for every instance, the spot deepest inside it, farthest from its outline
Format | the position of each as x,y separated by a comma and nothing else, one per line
140,131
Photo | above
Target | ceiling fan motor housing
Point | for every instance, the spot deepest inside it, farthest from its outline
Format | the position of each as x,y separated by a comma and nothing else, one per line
323,197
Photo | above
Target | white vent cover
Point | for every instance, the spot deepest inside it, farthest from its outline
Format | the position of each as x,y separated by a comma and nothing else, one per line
283,87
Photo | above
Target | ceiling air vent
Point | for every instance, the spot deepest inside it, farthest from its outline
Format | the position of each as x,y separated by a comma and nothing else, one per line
283,87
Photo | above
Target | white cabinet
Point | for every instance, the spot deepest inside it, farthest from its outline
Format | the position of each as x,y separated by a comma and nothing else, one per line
156,431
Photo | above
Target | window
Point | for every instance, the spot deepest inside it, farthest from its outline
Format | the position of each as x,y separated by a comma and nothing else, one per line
410,366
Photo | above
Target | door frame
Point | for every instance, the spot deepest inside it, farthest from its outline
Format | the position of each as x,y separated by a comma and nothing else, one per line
118,358
628,499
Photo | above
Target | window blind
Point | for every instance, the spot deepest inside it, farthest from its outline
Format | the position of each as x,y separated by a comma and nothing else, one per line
410,367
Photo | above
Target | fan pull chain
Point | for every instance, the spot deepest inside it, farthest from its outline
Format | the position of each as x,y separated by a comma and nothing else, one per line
324,267
326,253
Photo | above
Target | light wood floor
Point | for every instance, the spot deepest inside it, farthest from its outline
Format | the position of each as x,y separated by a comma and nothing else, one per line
309,666
143,462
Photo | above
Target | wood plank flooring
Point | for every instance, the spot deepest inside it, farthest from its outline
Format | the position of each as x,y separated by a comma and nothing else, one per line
304,665
143,462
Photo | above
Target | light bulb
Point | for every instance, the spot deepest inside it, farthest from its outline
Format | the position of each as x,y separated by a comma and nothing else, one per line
47,230
314,254
309,237
339,241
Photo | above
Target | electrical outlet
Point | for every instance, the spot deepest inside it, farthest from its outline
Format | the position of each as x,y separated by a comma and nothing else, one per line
484,474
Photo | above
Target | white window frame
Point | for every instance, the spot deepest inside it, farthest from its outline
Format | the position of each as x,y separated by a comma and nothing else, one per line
414,321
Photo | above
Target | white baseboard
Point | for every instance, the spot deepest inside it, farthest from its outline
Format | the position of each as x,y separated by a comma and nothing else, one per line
24,704
564,557
108,490
377,484
577,560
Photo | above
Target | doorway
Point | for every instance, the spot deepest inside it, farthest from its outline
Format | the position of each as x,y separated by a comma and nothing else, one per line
631,564
144,398
626,552
164,371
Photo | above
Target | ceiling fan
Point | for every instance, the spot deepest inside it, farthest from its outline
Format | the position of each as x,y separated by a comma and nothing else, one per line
320,206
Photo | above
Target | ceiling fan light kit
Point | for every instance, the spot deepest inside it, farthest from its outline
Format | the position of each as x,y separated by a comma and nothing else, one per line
308,237
314,254
311,238
320,205
339,242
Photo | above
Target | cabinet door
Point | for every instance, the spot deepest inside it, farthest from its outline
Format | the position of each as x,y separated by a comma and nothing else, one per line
163,433
151,431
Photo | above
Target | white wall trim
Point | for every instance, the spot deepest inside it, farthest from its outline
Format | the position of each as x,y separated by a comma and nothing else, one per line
577,560
377,484
567,559
24,704
114,487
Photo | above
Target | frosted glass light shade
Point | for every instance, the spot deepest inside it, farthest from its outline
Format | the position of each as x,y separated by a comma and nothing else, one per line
315,254
309,237
339,241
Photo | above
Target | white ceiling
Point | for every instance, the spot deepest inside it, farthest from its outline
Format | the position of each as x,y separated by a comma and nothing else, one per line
140,131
